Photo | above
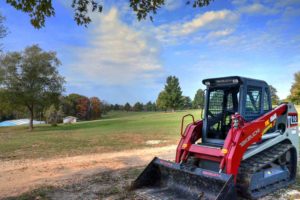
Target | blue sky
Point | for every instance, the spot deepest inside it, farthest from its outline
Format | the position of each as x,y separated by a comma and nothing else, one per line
122,60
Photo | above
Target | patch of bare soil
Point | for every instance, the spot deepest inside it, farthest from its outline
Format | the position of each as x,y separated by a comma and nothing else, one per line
97,176
110,185
20,176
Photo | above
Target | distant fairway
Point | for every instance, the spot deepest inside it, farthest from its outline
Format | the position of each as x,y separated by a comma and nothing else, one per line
117,131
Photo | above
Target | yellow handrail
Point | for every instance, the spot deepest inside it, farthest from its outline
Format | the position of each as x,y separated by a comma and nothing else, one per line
182,122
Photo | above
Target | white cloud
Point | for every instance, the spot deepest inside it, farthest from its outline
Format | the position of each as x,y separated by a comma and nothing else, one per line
220,33
200,21
117,54
173,4
215,23
257,8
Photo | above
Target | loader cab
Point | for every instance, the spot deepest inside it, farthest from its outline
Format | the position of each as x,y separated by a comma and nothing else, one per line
226,96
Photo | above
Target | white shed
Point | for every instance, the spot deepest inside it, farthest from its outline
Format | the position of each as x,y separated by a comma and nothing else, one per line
70,120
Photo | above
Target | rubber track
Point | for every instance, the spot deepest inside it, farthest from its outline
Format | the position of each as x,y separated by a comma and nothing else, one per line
255,164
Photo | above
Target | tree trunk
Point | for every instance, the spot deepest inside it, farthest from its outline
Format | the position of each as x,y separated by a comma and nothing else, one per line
31,120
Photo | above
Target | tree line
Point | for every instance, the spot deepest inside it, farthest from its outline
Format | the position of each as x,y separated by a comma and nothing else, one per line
171,98
31,86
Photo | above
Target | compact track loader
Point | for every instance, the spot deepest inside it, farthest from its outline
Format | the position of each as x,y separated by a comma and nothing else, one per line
241,147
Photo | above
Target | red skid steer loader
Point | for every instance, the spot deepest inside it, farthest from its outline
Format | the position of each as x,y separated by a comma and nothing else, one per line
241,147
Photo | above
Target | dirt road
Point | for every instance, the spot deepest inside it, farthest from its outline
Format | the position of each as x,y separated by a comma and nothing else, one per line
20,176
94,176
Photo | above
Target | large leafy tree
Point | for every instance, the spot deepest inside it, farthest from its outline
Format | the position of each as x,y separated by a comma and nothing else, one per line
31,79
39,10
274,96
174,99
295,90
198,99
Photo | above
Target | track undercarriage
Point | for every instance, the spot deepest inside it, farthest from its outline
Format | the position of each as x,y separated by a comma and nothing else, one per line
267,171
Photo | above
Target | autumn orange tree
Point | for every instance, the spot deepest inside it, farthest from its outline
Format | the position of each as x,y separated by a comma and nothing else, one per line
83,108
95,108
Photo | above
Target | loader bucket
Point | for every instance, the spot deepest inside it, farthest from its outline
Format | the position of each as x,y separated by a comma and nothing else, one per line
167,180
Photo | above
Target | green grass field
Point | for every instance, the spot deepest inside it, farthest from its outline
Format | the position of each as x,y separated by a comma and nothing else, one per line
116,131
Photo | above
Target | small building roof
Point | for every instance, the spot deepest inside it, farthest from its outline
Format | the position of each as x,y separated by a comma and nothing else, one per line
68,117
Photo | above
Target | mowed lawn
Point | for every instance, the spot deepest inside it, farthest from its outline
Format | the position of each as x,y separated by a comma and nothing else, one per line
116,131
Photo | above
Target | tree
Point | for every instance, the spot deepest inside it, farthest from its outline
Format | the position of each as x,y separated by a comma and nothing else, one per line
3,33
274,96
154,107
8,110
83,108
173,93
199,99
31,79
2,73
161,101
186,102
150,106
69,104
116,107
53,115
95,109
295,89
39,10
105,107
138,107
127,107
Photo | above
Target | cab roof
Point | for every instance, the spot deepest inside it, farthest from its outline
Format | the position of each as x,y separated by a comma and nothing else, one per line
233,80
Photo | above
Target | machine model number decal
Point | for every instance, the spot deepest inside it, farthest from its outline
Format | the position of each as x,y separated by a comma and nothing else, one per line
293,119
250,137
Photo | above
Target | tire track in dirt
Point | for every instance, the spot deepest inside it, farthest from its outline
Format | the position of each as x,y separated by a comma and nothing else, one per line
19,176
